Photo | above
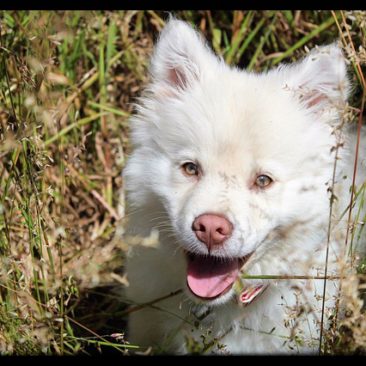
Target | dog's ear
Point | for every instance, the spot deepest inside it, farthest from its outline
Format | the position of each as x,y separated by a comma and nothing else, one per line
181,57
320,79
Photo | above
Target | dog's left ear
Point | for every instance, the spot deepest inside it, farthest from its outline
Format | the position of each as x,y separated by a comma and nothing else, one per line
181,58
320,79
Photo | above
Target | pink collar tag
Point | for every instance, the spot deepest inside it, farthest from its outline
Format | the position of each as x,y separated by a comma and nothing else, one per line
250,293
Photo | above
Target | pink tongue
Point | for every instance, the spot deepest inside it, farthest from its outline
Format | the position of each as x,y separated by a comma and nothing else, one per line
209,277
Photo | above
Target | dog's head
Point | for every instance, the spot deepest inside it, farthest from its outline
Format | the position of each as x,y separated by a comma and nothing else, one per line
241,161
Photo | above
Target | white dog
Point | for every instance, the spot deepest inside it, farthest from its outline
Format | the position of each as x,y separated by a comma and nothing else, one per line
231,176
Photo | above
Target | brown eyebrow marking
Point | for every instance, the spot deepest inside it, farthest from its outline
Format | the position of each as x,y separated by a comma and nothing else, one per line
229,180
262,212
305,189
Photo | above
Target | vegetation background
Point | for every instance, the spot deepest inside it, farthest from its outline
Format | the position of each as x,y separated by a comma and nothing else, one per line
68,81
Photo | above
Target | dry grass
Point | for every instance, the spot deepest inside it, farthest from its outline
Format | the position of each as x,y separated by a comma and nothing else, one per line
68,81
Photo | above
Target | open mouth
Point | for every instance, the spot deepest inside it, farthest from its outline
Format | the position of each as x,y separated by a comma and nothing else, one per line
210,277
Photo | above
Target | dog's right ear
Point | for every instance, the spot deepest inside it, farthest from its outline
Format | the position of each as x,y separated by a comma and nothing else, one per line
320,80
181,57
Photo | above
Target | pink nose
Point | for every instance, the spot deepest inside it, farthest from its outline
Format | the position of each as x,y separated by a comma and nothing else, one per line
212,229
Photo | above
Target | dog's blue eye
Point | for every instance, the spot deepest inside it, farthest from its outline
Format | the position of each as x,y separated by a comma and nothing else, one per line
263,181
190,169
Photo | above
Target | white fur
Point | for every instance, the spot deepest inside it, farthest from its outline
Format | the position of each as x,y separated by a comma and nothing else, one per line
236,125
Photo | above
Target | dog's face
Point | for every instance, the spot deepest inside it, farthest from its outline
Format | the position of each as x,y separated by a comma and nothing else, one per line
240,161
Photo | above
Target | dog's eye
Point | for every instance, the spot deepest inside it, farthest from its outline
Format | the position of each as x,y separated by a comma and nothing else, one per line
263,181
190,169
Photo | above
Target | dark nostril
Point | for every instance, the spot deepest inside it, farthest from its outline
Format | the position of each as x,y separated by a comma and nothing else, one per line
202,228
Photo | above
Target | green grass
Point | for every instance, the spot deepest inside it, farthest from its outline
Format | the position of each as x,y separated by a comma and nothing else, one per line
67,84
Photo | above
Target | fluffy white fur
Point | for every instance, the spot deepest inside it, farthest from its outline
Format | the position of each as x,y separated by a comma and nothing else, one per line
236,125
